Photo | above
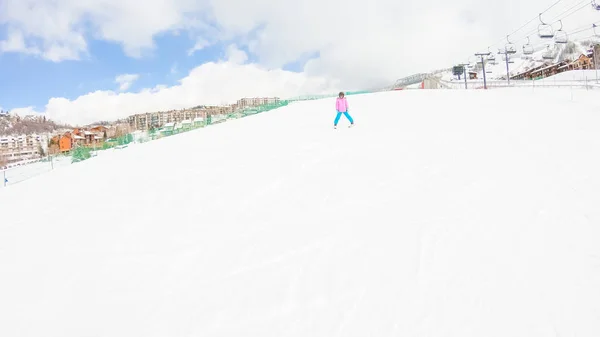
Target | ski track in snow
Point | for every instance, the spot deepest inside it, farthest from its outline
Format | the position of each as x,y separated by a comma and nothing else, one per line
451,215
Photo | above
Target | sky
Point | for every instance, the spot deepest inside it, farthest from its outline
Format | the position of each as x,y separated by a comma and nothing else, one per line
85,61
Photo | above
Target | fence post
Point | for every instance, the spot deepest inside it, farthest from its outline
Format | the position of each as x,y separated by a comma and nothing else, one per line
571,92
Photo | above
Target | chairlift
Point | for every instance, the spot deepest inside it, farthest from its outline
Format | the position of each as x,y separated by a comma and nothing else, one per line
560,36
503,53
509,47
545,30
527,48
549,54
595,5
491,58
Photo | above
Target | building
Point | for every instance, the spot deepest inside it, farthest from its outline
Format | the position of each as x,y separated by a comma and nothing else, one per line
583,62
255,101
527,74
24,147
542,71
93,137
65,142
548,70
160,119
153,120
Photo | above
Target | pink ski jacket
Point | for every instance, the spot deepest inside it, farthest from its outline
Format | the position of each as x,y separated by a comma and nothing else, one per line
341,105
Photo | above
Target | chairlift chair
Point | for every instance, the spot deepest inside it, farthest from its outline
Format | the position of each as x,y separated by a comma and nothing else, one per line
528,48
491,58
545,30
510,47
549,54
560,36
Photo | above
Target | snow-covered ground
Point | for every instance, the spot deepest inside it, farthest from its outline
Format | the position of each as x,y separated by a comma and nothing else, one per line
17,174
578,79
442,213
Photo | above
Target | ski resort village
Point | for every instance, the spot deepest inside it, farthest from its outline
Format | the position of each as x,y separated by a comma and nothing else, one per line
184,169
51,139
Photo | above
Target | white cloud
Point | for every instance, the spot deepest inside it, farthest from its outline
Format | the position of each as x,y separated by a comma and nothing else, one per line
16,43
126,80
362,44
236,55
203,85
27,111
200,44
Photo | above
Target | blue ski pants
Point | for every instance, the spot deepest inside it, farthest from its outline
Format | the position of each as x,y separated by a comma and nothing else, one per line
339,114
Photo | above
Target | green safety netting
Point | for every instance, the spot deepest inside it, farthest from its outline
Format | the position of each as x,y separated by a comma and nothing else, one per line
118,141
315,97
81,153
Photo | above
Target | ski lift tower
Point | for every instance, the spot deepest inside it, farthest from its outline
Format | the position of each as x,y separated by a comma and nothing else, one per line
465,65
506,58
482,55
595,49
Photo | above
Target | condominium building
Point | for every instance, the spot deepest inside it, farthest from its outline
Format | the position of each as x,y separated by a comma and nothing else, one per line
24,147
150,120
255,101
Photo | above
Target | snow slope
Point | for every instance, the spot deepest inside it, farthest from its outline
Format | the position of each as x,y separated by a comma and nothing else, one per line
432,217
20,173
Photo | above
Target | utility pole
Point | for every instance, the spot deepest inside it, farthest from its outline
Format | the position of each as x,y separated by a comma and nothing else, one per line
481,55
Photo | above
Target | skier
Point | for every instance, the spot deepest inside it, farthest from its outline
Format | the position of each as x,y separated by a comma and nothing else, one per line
341,105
